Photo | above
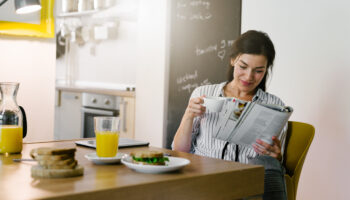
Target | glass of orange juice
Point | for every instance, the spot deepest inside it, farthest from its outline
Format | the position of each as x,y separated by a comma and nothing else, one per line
107,136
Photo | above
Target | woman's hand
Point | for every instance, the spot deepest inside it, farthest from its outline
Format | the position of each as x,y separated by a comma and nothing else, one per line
195,107
183,136
263,148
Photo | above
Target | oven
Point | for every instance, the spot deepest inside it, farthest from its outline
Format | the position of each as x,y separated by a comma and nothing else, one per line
96,105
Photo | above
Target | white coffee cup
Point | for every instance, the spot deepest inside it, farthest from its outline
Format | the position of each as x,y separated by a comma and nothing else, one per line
213,104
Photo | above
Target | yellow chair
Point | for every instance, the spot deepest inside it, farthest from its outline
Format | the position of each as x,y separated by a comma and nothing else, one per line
298,141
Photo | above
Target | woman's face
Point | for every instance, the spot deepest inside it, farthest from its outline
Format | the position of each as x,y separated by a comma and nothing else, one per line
249,70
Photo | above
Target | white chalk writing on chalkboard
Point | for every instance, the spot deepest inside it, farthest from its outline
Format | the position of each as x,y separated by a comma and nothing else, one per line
210,48
190,86
200,16
195,16
230,42
196,3
198,10
221,53
181,4
179,16
186,77
205,4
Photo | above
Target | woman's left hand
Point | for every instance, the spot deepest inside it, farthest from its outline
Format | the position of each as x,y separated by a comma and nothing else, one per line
263,148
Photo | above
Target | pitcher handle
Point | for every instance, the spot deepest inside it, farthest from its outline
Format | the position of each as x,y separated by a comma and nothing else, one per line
24,121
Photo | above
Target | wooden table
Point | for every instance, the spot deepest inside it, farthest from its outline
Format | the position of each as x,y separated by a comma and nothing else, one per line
203,178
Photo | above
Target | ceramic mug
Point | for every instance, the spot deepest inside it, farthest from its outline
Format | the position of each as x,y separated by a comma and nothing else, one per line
213,104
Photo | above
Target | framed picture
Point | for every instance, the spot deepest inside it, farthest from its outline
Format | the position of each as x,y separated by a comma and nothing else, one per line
40,24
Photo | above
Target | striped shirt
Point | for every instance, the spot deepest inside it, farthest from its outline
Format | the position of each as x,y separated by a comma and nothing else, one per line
203,127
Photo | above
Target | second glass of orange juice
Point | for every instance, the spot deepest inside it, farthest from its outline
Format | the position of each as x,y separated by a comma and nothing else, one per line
107,136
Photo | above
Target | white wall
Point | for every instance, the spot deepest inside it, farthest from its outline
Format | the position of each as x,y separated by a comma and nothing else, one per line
311,74
31,62
151,71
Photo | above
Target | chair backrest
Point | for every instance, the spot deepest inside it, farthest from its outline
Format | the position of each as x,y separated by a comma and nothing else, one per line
298,141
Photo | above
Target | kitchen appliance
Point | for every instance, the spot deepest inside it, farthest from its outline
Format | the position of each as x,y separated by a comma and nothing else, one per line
25,6
94,105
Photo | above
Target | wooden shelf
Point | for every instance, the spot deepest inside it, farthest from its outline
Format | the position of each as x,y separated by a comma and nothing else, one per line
78,14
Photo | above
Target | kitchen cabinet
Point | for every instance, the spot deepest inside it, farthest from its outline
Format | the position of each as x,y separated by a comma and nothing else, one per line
127,114
67,115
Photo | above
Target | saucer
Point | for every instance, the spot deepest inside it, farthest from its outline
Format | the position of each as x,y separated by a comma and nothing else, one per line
104,160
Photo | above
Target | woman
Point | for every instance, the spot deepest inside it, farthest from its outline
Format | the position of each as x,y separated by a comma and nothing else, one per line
250,64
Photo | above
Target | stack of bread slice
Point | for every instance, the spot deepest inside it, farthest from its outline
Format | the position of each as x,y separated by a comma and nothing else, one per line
55,163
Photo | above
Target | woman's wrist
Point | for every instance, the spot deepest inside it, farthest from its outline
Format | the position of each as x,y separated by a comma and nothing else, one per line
188,116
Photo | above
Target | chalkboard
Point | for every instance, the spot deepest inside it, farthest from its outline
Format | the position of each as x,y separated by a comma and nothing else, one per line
201,34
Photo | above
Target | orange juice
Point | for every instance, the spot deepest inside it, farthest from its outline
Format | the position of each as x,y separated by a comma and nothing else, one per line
107,143
11,139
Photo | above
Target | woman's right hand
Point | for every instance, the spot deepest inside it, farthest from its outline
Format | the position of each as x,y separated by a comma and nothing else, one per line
195,107
183,136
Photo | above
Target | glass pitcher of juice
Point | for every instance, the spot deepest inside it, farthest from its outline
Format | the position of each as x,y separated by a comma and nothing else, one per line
11,119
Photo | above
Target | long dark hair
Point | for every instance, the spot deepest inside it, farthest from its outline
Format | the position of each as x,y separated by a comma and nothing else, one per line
257,43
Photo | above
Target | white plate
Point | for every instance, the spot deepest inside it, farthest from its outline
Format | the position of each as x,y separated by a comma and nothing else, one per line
104,160
174,163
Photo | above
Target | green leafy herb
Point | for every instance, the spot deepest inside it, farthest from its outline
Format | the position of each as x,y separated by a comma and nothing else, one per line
151,160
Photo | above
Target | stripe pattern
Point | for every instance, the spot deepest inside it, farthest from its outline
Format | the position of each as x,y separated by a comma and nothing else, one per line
203,127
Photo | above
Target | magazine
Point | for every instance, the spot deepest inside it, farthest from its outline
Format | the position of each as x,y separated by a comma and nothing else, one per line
242,122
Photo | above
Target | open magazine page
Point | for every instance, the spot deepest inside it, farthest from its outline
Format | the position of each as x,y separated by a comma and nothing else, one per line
259,122
229,117
224,125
